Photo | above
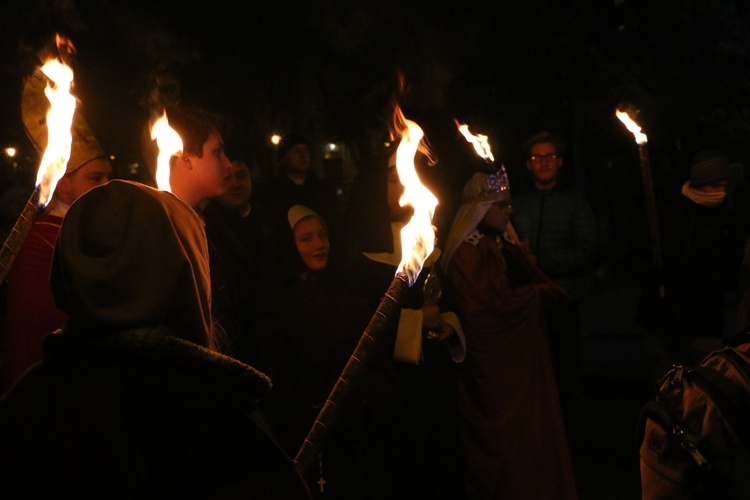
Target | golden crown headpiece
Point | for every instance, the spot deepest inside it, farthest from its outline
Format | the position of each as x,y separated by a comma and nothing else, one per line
492,187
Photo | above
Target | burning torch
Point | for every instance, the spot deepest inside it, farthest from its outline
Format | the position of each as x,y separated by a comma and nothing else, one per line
648,185
58,122
482,147
418,242
168,143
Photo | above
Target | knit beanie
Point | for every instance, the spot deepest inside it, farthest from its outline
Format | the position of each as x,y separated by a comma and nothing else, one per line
709,166
290,140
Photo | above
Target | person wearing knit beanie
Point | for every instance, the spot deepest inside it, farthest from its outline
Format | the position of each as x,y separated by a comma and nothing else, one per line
709,177
294,157
709,167
290,140
297,182
684,301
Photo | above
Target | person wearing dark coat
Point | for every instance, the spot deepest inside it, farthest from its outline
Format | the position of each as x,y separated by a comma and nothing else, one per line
560,228
307,334
298,184
414,408
683,304
132,400
238,228
198,172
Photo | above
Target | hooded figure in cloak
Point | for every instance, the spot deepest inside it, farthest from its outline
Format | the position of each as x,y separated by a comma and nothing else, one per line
131,399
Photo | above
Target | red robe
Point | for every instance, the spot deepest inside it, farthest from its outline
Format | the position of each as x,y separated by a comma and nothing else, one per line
31,312
511,423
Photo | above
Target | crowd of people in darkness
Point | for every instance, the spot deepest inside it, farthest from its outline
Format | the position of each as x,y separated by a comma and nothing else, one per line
183,343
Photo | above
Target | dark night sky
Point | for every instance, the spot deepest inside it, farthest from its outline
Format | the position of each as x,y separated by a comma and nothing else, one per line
328,68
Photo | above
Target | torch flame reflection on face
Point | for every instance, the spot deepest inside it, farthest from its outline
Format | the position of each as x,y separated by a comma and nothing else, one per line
480,142
169,144
418,236
624,117
59,120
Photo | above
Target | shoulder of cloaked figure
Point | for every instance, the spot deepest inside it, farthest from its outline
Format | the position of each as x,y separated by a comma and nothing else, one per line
474,237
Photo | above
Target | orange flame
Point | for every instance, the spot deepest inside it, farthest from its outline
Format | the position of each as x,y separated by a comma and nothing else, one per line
482,147
169,144
479,141
624,117
59,121
418,236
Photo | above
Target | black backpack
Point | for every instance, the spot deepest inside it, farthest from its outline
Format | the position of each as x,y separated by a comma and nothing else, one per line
695,434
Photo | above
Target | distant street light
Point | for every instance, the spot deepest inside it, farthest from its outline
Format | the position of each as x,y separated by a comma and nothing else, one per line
10,152
275,139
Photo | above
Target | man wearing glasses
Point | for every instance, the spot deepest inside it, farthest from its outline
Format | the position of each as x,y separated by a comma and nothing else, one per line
559,226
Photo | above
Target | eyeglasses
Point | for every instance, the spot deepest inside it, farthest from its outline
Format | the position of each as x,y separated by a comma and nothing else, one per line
541,158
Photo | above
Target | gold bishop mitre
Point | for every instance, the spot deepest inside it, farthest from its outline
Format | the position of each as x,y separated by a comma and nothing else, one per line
34,107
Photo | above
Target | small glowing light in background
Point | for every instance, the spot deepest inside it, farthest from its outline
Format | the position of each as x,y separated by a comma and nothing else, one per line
112,157
332,147
10,152
275,139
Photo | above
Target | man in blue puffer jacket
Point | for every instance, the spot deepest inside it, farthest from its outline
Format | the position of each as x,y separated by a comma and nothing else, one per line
559,227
